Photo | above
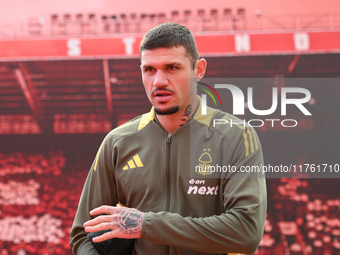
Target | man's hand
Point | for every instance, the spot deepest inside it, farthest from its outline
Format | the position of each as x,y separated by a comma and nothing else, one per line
124,222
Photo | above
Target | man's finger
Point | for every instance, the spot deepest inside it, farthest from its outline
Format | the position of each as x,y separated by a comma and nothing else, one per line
106,236
98,220
101,227
104,209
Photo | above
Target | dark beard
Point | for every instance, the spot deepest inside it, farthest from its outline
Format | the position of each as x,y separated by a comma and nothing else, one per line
168,111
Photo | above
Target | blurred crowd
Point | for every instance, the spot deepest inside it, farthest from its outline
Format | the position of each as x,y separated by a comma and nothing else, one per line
303,218
38,200
19,163
19,193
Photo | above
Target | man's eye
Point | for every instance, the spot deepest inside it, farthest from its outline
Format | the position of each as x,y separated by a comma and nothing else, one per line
173,67
148,69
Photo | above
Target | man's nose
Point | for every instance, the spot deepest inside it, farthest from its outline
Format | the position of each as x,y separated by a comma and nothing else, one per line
160,79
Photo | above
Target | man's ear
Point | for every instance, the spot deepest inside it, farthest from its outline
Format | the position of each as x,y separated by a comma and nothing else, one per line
200,68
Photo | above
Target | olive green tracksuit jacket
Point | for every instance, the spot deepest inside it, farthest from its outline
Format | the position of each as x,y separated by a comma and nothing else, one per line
192,203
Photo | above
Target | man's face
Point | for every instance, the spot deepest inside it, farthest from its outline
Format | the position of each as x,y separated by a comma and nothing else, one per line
166,74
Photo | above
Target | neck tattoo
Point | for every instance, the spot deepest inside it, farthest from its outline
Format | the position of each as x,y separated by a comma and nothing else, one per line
186,116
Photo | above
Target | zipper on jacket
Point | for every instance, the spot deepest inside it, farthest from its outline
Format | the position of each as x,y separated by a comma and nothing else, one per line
168,139
168,142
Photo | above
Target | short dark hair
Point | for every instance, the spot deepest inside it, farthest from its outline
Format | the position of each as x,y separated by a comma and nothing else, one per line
168,35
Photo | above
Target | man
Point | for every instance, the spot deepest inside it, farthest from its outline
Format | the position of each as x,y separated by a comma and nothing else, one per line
141,182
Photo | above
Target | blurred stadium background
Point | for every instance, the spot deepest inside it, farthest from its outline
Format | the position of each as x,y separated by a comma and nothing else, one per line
69,73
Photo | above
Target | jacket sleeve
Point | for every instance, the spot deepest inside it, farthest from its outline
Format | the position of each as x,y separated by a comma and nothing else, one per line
99,189
238,230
